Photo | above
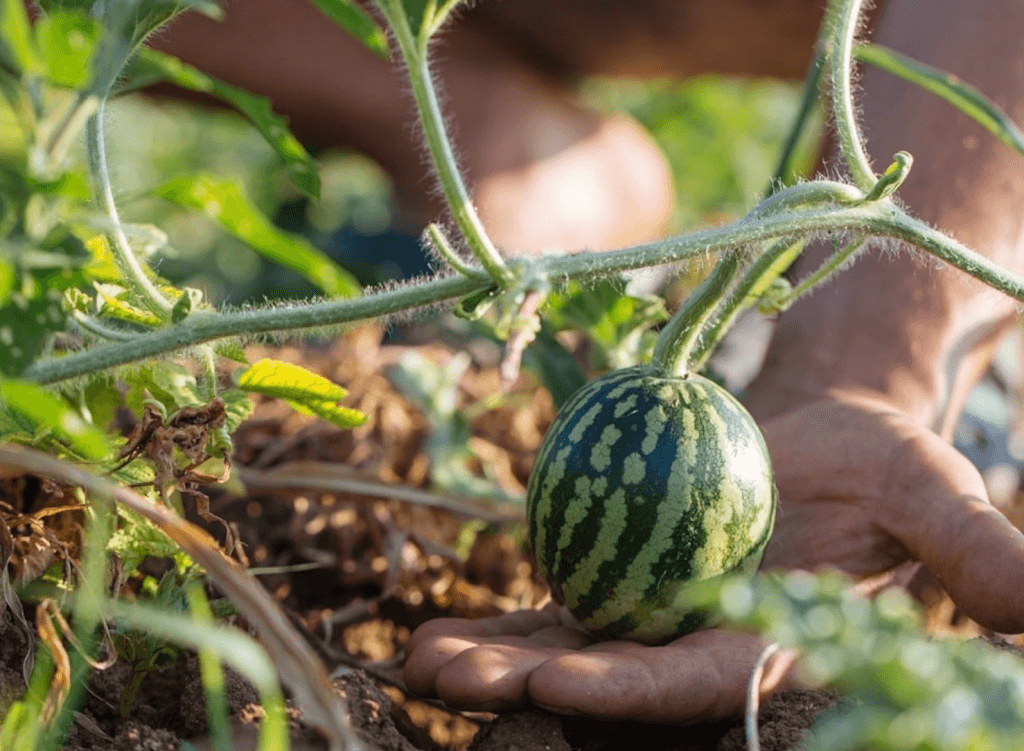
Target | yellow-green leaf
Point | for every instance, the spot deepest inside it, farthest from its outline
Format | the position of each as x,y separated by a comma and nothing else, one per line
305,391
225,203
49,412
17,52
66,42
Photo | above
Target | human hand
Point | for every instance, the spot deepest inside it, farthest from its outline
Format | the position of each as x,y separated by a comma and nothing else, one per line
863,488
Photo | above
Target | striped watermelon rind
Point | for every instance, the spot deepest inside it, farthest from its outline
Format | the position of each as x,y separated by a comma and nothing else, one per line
643,483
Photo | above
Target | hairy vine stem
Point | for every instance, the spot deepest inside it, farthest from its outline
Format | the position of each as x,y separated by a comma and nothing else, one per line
771,263
134,274
413,48
679,336
846,19
881,219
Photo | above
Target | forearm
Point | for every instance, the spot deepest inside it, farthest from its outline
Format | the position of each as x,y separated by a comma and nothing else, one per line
903,326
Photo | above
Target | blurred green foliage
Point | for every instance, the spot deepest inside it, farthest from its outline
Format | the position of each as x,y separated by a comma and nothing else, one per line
721,137
910,691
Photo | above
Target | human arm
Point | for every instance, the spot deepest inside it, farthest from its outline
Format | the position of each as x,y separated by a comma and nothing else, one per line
863,380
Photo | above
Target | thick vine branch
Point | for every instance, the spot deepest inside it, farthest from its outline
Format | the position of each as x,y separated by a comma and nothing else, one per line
882,219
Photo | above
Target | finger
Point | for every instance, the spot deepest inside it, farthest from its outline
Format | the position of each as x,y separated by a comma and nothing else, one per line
492,677
518,623
972,549
436,644
424,661
699,677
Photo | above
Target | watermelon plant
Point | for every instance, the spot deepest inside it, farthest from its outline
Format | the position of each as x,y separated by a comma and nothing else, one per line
652,476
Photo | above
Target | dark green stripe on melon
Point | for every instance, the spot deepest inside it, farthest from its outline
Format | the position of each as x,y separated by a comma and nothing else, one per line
642,483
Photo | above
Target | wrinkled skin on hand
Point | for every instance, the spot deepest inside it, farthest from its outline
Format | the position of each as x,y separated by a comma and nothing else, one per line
862,488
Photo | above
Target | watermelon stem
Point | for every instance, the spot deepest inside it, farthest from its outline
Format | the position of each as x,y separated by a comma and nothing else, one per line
771,264
679,336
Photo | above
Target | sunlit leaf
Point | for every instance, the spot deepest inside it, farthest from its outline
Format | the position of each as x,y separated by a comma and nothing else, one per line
169,383
224,202
112,306
52,413
305,391
948,87
7,280
151,66
17,53
620,324
349,16
66,42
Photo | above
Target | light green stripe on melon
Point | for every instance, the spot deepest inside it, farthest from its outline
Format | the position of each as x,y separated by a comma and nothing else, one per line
664,620
601,453
639,576
585,422
612,526
634,469
628,383
556,471
575,512
656,420
625,405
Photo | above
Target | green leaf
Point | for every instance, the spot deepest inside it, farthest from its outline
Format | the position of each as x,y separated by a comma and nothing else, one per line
17,53
238,405
25,324
7,279
948,87
349,16
113,306
224,202
66,42
231,350
435,390
168,383
189,300
305,391
151,66
51,413
621,325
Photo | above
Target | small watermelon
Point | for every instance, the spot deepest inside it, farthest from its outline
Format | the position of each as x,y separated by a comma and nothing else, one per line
643,483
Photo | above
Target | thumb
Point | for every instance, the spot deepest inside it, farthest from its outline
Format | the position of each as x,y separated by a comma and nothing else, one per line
939,510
